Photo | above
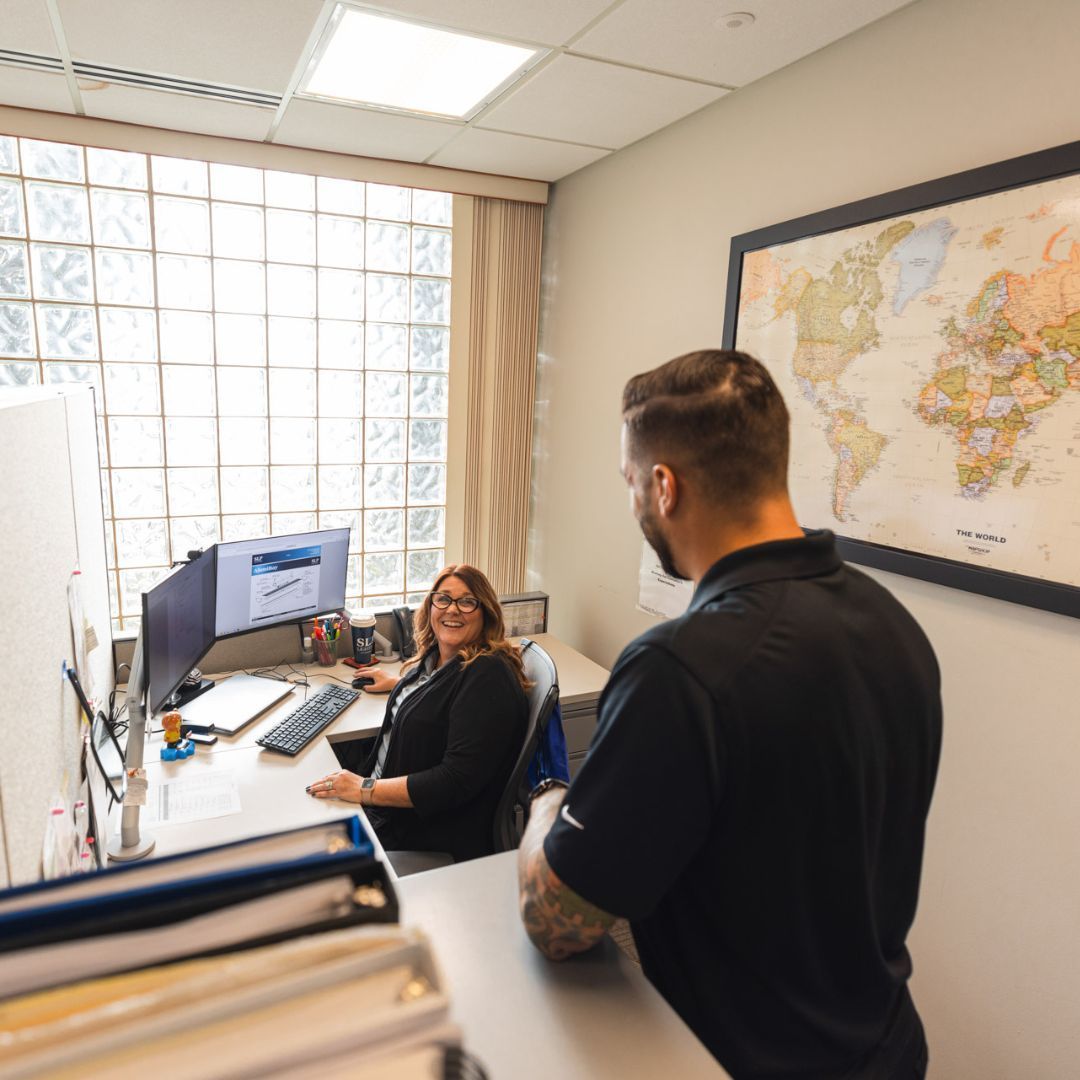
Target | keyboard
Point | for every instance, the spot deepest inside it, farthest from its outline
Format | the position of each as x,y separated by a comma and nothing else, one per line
307,720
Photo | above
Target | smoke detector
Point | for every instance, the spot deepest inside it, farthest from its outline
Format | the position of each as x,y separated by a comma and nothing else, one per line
735,20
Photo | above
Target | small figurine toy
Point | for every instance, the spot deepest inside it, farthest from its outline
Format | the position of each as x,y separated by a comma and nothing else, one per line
176,747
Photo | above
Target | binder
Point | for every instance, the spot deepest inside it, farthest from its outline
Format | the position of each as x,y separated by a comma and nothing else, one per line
309,841
368,1001
130,920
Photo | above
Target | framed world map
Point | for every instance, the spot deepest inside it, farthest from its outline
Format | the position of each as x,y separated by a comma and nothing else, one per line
927,343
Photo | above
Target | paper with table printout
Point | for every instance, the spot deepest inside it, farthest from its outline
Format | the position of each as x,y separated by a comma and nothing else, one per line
192,798
659,593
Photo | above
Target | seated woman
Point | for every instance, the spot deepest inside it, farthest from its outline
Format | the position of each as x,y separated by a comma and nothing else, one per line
453,728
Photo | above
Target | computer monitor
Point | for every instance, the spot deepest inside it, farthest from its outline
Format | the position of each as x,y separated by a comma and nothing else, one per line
280,579
177,627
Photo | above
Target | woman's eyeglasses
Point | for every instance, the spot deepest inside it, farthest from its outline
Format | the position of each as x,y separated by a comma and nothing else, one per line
465,604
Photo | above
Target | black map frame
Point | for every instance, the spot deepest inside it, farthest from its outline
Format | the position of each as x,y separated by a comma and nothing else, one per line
1018,172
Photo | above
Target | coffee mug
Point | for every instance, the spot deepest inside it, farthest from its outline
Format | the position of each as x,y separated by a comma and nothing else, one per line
363,636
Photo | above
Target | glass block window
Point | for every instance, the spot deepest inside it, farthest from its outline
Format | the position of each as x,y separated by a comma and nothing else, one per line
270,352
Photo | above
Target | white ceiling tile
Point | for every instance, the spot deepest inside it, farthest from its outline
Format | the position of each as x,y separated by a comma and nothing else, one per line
689,38
365,132
179,112
247,43
515,155
26,28
28,89
600,104
553,22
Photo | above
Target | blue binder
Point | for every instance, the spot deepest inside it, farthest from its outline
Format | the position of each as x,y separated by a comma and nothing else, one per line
158,898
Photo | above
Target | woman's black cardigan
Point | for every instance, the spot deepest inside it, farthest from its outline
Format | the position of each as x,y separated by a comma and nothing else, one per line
456,739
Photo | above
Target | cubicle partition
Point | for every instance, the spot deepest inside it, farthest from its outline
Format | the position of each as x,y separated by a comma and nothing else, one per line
52,525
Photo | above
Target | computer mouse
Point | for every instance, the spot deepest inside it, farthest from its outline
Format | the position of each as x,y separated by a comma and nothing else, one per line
361,681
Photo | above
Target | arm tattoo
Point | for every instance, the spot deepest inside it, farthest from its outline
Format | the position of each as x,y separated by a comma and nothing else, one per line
558,920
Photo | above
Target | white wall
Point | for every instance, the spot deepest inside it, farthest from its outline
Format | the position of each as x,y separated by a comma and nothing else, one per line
635,273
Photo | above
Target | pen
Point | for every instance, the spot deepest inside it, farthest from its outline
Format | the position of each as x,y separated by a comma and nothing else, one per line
70,673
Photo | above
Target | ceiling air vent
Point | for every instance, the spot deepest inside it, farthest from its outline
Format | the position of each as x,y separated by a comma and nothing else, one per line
169,83
31,60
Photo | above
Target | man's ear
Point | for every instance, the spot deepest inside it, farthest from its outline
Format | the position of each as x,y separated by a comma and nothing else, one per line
667,489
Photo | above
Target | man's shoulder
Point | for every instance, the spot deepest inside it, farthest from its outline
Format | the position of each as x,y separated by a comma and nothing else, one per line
668,653
705,636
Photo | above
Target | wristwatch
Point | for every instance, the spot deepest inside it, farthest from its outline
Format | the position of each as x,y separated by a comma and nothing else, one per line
367,790
546,785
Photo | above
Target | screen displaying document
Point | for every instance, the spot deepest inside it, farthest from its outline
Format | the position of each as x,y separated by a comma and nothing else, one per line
280,579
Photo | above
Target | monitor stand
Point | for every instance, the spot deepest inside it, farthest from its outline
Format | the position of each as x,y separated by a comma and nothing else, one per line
186,692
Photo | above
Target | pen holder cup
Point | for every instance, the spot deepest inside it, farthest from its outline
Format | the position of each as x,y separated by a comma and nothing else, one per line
325,652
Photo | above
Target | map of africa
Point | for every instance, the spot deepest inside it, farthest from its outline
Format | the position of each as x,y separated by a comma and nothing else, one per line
931,363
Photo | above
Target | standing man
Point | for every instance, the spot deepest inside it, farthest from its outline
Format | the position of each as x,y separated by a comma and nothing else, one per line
756,794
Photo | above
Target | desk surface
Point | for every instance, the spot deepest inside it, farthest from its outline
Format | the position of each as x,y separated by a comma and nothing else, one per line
272,785
526,1017
272,795
580,680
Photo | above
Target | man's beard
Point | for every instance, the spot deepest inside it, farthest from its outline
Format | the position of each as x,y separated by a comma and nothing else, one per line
662,548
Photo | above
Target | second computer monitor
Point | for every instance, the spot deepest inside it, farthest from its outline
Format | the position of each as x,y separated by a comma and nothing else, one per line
280,579
177,626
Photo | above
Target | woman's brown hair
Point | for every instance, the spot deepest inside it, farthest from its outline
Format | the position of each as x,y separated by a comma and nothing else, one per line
492,633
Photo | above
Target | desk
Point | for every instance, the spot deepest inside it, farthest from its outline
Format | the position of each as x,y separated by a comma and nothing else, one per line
525,1017
272,795
362,719
580,683
272,785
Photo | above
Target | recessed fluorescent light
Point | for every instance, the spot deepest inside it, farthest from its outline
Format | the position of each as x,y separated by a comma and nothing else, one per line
377,60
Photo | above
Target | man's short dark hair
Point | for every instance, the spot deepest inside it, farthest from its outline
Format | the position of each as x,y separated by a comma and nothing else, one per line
715,414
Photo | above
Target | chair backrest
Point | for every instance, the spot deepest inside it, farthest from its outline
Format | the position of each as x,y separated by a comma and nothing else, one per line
543,696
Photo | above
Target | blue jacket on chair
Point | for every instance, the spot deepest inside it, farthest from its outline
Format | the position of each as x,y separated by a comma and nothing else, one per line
550,759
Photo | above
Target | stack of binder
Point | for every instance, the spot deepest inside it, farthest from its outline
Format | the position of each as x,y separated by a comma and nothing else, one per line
364,1002
251,892
247,959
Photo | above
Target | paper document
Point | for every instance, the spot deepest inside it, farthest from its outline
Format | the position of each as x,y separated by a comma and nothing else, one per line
78,636
659,593
193,798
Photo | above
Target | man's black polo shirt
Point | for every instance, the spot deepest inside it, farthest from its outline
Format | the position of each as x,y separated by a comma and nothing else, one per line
754,802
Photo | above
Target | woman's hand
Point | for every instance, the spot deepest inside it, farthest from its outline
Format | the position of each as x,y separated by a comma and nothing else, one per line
383,683
337,785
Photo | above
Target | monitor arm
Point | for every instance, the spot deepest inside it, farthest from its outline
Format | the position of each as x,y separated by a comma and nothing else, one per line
131,844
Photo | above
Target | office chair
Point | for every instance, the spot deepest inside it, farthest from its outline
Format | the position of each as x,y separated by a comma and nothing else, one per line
512,811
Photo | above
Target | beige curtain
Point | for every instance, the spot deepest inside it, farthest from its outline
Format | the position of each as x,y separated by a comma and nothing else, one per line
503,294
